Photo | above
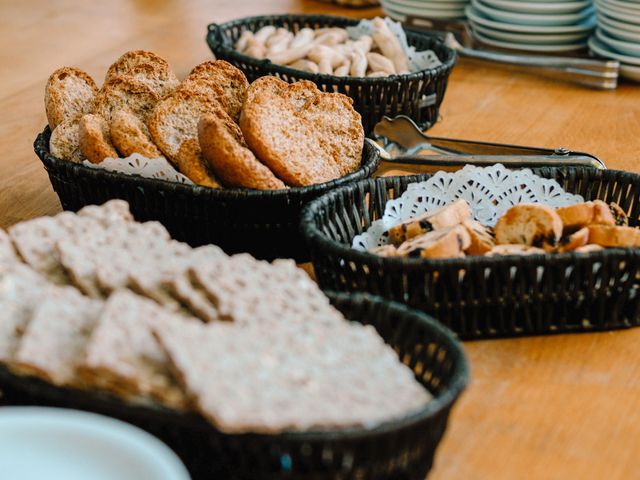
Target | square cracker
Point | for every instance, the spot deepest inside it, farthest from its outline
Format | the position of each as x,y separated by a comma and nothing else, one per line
122,355
275,378
56,337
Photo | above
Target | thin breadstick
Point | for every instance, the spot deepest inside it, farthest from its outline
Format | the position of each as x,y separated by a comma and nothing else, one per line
389,45
242,43
264,33
379,62
305,65
358,64
302,38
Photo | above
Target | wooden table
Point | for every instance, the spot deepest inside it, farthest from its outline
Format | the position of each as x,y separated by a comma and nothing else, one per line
558,407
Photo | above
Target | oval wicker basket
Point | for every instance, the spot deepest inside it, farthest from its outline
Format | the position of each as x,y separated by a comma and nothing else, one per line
484,297
263,223
417,95
402,449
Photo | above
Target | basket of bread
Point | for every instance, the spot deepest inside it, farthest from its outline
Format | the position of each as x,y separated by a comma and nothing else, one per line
488,251
242,366
212,157
386,70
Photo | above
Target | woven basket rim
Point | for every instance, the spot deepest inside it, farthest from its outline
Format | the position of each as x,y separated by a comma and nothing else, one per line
315,236
440,402
370,161
223,45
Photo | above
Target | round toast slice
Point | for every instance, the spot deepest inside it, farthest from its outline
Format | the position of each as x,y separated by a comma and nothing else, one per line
230,79
287,125
95,141
529,224
131,59
191,164
226,152
158,77
69,94
65,141
175,119
125,93
129,135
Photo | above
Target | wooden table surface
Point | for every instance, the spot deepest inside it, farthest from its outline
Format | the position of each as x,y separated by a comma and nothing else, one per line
559,407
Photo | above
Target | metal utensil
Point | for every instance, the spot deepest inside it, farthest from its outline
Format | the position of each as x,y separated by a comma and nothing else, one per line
599,74
405,147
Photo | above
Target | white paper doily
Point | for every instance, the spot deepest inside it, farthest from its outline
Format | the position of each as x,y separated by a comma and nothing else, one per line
490,191
137,164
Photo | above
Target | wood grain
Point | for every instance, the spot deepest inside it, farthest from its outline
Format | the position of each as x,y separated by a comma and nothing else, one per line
558,407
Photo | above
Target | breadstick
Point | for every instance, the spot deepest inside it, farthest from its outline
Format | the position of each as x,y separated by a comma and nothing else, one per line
331,38
320,53
389,45
242,43
255,48
303,37
378,73
343,70
264,33
290,55
279,42
305,65
381,63
364,44
358,64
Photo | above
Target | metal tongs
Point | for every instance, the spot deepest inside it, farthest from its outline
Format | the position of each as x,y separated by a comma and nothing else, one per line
594,73
405,147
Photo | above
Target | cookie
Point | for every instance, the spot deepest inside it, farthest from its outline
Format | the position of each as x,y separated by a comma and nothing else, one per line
385,251
95,139
175,120
230,79
620,216
584,214
444,217
130,135
276,379
65,141
574,241
481,238
190,163
225,150
304,136
123,356
125,93
448,242
515,249
529,224
132,59
614,236
69,94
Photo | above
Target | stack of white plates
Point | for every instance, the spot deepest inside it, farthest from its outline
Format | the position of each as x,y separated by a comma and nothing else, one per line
534,25
439,9
618,34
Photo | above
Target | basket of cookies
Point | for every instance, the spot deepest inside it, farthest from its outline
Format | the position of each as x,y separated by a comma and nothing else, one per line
243,367
488,251
386,70
212,157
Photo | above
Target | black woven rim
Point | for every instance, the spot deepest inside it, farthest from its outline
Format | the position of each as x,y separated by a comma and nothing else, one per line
451,373
327,243
384,94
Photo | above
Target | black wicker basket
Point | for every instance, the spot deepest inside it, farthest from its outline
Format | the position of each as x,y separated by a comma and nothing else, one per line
484,297
401,449
417,95
263,223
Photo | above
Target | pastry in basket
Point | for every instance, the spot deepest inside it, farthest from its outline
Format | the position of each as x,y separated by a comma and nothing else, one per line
448,242
529,224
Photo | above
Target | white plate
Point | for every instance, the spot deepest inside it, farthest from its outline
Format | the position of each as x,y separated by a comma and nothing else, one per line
598,47
630,9
627,16
532,19
425,8
533,38
477,17
539,7
528,46
401,16
630,72
60,444
626,48
612,27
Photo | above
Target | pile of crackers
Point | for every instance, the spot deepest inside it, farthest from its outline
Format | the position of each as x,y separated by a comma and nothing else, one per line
213,126
97,301
524,229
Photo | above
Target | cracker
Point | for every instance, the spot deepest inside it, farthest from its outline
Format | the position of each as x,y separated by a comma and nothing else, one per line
192,297
275,379
55,339
112,211
123,356
69,94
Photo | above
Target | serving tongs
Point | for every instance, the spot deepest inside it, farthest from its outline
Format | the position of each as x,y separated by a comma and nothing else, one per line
406,148
599,74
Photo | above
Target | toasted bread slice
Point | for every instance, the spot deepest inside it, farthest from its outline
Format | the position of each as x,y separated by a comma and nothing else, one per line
125,93
529,224
69,94
95,140
65,141
226,152
514,249
286,126
191,164
614,236
574,217
175,119
131,59
231,80
447,216
448,242
159,77
481,237
576,240
130,135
